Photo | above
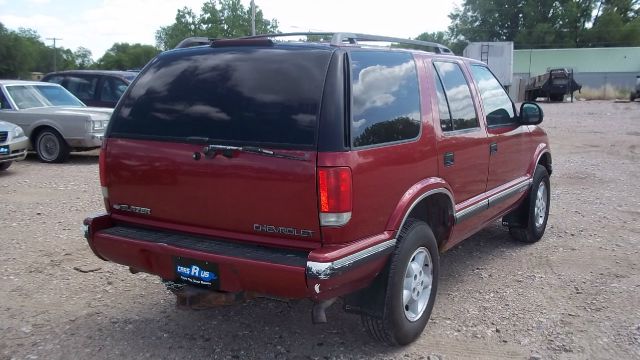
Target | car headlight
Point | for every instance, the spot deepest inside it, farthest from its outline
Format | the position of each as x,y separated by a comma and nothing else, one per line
18,132
99,124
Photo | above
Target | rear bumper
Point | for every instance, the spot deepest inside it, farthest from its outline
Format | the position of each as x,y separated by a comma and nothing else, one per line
319,274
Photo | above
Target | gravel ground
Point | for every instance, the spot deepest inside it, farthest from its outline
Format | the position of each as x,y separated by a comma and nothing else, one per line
573,295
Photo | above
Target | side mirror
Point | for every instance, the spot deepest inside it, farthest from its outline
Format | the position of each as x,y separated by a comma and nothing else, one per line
530,113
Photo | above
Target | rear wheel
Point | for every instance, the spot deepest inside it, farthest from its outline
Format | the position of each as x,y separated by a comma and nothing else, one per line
5,165
632,97
411,287
51,147
538,209
556,97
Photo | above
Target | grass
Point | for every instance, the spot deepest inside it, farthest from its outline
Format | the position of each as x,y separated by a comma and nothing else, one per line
605,92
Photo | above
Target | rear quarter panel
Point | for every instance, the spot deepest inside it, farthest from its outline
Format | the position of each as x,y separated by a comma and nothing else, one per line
383,175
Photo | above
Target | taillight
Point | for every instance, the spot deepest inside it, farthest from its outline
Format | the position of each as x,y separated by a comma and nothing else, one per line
335,191
102,169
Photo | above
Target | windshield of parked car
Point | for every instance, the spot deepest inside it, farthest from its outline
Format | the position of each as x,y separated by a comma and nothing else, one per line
32,96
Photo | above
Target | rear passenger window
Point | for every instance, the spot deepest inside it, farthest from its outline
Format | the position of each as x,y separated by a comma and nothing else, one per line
83,88
497,104
458,95
386,99
57,79
112,89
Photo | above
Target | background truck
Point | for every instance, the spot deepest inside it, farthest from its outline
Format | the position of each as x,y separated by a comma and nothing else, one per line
554,84
635,94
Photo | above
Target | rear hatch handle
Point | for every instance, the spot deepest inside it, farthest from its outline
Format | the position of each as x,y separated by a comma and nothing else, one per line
210,151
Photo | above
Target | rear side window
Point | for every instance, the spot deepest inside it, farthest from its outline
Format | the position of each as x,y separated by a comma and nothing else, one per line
232,95
83,88
57,79
458,95
386,99
112,89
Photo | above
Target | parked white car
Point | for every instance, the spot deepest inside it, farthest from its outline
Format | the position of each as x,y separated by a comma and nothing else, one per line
13,144
54,120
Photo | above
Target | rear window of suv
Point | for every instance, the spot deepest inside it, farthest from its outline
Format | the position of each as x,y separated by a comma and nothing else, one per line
232,95
386,99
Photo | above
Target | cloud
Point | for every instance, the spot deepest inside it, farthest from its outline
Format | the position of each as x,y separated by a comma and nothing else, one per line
43,21
376,85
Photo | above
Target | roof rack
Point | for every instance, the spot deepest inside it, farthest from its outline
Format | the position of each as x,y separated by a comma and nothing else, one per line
340,38
337,39
194,41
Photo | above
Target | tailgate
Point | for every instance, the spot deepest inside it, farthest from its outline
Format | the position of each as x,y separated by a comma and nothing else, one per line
250,97
245,194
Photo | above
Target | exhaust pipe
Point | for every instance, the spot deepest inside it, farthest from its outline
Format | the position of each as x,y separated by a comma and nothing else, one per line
318,312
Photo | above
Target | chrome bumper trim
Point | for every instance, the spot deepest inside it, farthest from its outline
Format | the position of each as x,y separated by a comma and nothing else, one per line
325,270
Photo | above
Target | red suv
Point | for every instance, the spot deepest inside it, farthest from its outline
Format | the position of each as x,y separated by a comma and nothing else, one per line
316,170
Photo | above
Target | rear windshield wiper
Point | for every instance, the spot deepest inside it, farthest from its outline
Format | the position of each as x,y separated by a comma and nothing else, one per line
212,150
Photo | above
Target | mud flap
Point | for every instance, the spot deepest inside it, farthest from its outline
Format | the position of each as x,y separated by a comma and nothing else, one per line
519,217
369,300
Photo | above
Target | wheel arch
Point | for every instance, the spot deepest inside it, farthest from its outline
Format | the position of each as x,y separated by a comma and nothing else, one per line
545,160
43,126
431,201
542,156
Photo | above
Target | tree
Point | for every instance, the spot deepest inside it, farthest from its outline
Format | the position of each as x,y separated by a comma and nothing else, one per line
217,19
23,52
444,38
84,58
187,24
617,23
547,23
124,56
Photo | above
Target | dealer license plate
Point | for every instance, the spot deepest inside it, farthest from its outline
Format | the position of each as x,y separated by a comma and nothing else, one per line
197,272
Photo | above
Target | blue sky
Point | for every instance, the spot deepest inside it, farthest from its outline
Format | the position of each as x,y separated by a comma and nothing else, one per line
97,24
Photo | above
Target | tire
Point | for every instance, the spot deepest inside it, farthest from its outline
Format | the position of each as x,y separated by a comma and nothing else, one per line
51,147
5,165
529,96
556,97
632,97
404,319
538,202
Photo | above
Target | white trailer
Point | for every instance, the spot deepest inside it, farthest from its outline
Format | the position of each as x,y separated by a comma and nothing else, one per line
499,57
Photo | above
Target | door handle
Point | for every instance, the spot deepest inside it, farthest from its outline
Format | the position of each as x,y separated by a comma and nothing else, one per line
448,159
493,148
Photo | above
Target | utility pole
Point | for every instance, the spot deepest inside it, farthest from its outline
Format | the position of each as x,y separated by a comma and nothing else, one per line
55,52
253,17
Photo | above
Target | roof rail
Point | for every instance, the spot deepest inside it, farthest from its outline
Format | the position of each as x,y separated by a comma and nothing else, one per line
340,38
194,41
